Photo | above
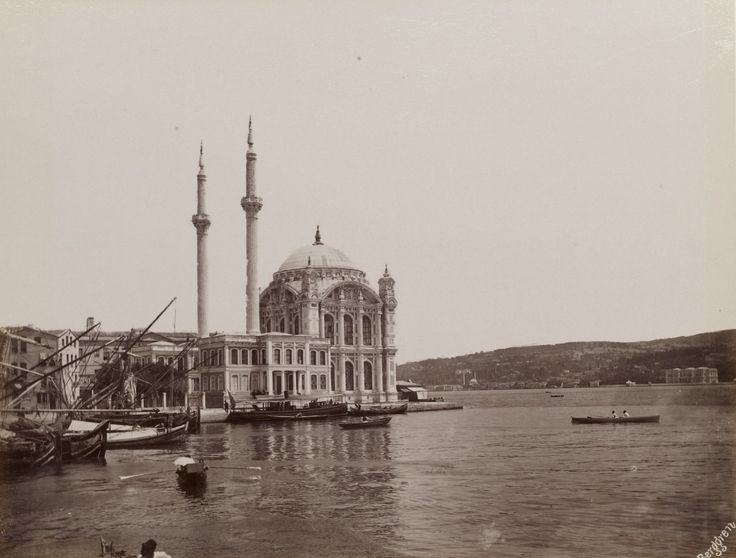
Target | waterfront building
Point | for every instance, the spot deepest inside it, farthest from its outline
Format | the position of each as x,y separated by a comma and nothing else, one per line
700,375
318,330
35,351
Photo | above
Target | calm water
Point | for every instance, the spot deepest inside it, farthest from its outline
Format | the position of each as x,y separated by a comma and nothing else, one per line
507,476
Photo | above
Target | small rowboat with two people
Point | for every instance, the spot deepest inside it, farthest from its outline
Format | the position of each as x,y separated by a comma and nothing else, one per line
374,410
189,471
366,422
612,420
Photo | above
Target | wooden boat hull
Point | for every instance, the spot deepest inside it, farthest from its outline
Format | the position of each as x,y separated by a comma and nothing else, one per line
370,423
145,437
272,413
28,453
128,436
86,444
378,410
611,420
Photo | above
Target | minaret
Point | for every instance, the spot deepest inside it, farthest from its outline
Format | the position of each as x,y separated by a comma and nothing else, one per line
251,204
201,222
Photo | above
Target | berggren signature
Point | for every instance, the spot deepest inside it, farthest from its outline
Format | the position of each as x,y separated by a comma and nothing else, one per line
717,548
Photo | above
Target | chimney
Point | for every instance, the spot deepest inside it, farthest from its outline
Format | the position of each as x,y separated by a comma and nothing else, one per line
90,322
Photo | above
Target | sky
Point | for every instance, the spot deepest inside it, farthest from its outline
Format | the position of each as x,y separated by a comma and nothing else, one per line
531,172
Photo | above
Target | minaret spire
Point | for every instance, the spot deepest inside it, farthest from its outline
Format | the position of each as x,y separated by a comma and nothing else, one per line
201,222
317,238
251,204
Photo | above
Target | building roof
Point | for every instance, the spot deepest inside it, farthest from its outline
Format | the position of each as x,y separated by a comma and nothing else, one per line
317,255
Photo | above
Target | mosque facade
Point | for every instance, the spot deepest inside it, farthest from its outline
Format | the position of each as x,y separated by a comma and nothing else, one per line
319,330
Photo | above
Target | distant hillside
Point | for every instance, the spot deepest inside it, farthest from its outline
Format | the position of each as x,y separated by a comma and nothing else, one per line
582,362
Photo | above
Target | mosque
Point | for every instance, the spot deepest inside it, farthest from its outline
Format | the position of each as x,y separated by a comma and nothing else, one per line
319,330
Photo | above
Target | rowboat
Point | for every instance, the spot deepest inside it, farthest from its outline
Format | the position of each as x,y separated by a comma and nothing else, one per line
611,420
366,423
360,411
85,444
130,436
190,472
283,410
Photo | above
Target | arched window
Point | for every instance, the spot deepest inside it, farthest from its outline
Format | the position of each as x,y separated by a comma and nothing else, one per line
277,356
282,325
288,356
332,376
312,381
313,358
205,383
234,383
244,383
367,331
170,361
330,329
254,356
244,356
268,326
159,361
323,357
322,381
349,376
254,381
297,325
348,323
233,356
367,375
219,382
300,356
264,359
220,358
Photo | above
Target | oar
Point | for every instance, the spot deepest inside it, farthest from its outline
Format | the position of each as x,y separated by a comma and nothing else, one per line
126,477
237,468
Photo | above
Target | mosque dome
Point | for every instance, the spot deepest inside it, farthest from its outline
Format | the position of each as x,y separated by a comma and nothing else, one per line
317,255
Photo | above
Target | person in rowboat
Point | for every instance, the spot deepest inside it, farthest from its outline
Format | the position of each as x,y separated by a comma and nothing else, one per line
614,415
626,413
148,550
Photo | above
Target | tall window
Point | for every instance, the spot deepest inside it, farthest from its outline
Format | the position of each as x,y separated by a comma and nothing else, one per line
330,329
268,326
367,331
322,381
367,375
297,325
244,356
282,325
233,356
349,376
348,323
313,381
254,356
322,357
277,356
332,376
313,357
220,358
235,383
264,360
300,356
288,356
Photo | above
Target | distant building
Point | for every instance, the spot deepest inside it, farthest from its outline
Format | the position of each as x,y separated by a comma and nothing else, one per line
409,391
701,375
